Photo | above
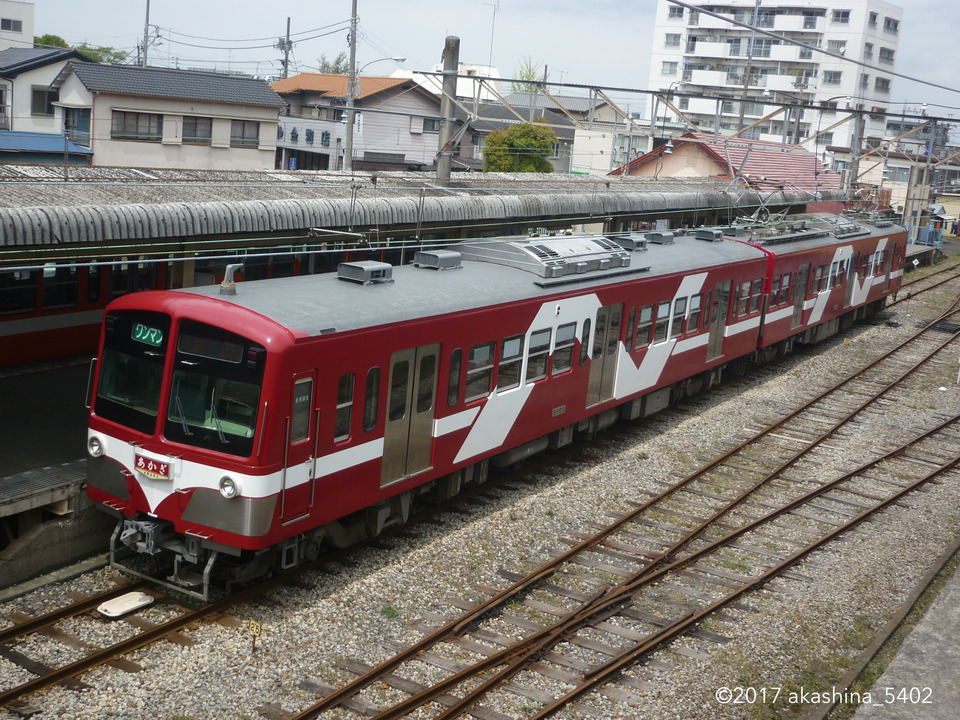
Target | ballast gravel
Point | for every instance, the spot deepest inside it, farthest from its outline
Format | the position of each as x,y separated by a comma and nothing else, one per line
805,630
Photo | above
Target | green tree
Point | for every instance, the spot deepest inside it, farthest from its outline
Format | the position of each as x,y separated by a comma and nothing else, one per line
49,41
101,53
519,148
526,76
338,66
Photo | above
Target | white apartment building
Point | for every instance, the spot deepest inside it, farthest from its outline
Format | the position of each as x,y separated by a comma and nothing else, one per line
699,54
16,24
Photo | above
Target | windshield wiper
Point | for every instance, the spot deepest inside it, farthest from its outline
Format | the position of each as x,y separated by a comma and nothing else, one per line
213,414
183,420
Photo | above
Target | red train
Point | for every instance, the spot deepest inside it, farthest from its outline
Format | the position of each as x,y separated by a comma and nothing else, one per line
259,420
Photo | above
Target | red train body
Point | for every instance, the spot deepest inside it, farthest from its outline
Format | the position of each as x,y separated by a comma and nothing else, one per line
261,424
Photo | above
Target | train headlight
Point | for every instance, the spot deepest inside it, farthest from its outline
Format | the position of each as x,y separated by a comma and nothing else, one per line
95,446
229,487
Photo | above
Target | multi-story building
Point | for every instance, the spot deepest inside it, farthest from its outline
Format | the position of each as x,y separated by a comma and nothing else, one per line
16,24
748,74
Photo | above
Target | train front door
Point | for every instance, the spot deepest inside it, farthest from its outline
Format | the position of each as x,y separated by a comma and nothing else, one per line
411,401
718,319
603,357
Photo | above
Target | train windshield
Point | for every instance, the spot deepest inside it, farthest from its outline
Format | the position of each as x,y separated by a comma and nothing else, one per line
131,369
215,393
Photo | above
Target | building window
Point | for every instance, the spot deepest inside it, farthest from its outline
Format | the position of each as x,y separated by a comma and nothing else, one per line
890,25
11,25
136,126
840,16
672,40
868,51
244,133
733,47
873,19
831,77
683,103
325,138
886,55
675,12
761,47
837,46
77,125
897,174
669,68
197,130
882,85
431,125
826,139
864,80
42,100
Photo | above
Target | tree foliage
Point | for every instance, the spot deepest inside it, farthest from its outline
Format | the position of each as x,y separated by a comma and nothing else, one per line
101,53
519,148
526,76
338,66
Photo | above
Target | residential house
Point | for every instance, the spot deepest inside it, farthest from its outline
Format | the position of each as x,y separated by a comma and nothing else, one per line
26,99
763,166
132,116
469,83
396,123
496,116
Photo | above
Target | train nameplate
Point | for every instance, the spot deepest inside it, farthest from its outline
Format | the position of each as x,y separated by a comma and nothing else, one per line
148,335
557,411
152,468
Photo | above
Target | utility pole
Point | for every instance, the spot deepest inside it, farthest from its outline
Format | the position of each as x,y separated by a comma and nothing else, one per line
146,37
284,45
351,91
451,63
746,72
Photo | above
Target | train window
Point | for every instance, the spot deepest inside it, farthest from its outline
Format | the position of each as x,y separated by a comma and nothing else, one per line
511,357
480,371
744,303
755,298
302,404
93,284
785,289
18,292
706,315
663,317
398,391
775,292
585,342
563,353
643,327
864,264
538,354
453,386
341,430
693,322
679,310
60,284
428,372
817,280
631,328
371,400
613,334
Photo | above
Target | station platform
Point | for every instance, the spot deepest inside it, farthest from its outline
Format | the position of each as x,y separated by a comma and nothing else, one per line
923,254
48,488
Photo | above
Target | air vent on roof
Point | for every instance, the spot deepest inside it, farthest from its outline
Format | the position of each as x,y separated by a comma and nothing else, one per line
709,235
629,241
437,259
660,238
366,272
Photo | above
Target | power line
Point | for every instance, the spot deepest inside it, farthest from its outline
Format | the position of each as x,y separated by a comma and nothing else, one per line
302,32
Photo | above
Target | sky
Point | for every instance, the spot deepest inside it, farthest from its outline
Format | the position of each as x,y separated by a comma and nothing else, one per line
588,42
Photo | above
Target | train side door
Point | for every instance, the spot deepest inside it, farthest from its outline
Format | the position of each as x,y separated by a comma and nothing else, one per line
411,402
603,357
300,451
718,319
800,294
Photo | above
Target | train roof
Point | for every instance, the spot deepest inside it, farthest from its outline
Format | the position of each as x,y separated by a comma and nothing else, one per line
468,276
483,273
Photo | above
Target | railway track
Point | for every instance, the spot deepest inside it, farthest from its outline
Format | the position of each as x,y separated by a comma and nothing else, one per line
733,526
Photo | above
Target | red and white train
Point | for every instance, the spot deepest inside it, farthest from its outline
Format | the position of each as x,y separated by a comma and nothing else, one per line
259,420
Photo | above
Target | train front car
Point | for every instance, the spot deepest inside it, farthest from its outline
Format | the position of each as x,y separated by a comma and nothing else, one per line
176,423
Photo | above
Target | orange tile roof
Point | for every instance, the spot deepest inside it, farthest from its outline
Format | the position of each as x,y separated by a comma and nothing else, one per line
336,85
